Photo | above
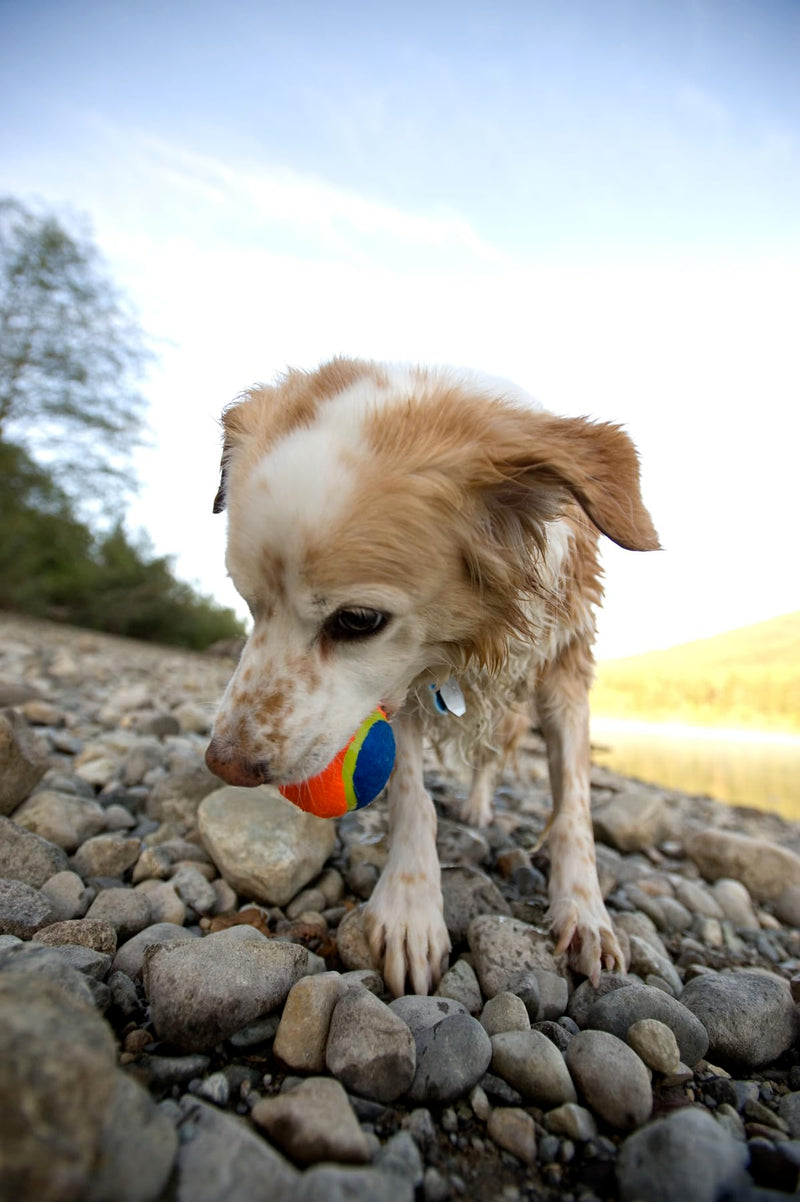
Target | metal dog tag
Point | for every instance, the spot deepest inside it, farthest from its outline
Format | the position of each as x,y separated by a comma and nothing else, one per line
449,699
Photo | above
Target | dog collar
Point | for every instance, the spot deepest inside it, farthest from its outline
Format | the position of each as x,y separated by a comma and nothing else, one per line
448,698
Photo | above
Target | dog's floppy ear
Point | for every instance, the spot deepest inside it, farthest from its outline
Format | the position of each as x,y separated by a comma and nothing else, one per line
237,418
220,499
595,462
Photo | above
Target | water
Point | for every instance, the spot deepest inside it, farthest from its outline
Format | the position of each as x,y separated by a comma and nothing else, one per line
741,767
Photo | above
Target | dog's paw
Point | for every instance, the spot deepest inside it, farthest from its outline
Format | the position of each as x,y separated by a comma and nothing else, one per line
584,931
477,810
406,932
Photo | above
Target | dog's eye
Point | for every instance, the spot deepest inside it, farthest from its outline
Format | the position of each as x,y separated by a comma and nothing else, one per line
349,624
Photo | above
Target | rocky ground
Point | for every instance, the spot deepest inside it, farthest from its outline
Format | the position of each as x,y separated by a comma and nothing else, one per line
187,1010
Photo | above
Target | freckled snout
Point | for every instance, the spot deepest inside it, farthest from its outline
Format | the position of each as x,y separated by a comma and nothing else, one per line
232,766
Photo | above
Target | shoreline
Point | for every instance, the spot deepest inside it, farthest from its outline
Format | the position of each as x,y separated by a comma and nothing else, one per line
637,727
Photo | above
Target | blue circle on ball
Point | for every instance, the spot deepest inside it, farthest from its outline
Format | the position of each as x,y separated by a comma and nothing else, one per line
374,764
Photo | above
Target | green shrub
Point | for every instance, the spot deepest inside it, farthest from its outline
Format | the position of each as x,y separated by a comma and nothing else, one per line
53,566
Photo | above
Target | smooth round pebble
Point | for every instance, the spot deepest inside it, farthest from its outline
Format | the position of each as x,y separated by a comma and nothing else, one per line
164,903
106,855
420,1013
127,910
69,896
611,1078
504,1012
655,1043
514,1130
451,1057
533,1065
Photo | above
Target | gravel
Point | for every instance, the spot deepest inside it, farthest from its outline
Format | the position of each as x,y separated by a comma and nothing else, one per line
188,1011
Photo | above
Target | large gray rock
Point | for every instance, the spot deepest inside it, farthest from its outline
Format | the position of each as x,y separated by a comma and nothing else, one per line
138,1150
26,857
611,1078
370,1049
617,1011
204,990
53,1103
749,1016
221,1160
63,818
75,1129
504,949
764,868
264,846
688,1156
23,760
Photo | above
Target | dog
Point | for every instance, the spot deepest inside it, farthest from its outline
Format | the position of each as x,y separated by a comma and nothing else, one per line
425,540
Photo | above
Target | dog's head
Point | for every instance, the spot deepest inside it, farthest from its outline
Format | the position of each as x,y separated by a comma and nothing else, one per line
384,524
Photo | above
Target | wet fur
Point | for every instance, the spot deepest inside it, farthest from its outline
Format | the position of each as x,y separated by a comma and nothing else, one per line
470,514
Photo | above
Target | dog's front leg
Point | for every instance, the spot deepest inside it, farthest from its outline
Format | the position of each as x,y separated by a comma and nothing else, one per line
577,914
404,918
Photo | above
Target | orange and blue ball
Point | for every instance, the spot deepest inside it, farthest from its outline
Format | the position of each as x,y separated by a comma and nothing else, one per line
354,777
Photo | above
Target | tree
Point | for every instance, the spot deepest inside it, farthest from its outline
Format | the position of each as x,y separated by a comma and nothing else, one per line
71,355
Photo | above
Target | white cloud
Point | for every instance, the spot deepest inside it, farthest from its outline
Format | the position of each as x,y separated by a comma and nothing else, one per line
280,197
245,269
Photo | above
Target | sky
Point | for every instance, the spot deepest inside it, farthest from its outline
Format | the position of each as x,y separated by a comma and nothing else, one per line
600,202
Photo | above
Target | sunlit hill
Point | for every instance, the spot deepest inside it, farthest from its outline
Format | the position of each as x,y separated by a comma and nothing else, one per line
747,678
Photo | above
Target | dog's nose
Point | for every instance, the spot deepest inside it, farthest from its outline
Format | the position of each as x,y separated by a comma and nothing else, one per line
235,768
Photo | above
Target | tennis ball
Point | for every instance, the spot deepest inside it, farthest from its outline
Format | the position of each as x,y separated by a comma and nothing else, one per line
354,777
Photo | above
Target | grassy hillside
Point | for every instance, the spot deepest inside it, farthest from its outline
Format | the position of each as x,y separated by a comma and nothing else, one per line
746,678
